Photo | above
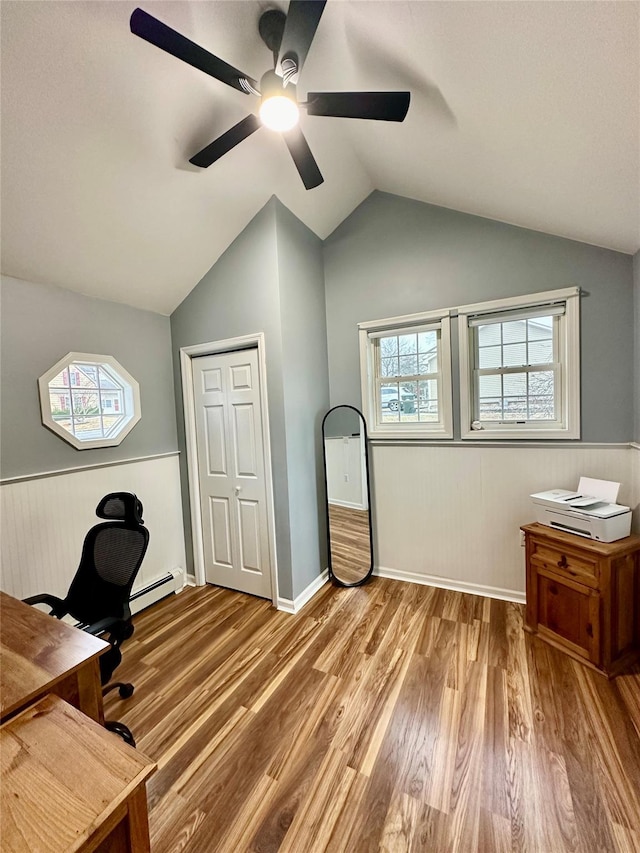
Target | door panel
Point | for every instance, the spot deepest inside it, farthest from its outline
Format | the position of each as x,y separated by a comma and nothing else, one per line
219,520
215,443
245,441
232,474
249,522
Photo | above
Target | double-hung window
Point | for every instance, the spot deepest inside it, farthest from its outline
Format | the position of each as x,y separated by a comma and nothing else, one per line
406,376
519,367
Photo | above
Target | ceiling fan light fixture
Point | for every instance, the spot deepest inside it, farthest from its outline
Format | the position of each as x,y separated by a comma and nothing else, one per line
279,113
279,107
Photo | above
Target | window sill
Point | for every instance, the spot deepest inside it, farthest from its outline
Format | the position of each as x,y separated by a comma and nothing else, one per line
520,435
424,435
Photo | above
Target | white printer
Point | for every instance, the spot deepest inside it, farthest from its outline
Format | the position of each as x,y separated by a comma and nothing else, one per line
590,511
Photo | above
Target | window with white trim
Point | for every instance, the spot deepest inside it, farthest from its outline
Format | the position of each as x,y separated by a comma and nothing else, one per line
519,367
406,376
89,400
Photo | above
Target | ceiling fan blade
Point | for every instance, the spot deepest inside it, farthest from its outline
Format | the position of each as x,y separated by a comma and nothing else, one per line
302,22
382,106
226,142
303,158
159,34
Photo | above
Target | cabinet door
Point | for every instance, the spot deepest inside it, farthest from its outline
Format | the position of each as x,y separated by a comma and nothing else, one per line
569,613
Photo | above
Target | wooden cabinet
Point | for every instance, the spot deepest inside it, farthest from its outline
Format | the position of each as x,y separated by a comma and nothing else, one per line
583,596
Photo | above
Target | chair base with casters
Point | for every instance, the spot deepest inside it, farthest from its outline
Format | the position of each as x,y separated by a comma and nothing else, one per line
98,597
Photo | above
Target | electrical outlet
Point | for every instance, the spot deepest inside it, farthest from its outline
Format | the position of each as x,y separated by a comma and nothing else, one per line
522,538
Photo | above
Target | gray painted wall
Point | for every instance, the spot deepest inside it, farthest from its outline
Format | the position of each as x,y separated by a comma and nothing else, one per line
239,296
636,358
395,256
270,280
41,324
306,391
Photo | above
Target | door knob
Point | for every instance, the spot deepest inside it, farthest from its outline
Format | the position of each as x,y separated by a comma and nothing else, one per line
237,489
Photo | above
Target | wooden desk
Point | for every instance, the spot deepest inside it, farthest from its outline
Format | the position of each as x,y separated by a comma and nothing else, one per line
70,785
40,655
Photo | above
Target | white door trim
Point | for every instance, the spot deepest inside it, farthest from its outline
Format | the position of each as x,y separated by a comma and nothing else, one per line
186,370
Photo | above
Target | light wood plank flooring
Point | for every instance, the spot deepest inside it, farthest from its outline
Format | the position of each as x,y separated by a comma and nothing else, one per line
350,543
390,717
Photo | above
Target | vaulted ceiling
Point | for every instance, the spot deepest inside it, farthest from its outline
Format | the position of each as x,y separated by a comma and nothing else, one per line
525,112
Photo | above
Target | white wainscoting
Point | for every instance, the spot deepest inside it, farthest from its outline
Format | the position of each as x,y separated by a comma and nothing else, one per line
345,464
44,522
454,512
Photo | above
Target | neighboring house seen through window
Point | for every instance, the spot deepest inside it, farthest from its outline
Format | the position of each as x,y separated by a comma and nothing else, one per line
519,370
407,380
519,367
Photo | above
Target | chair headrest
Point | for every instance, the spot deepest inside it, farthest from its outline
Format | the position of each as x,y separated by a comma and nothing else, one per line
121,506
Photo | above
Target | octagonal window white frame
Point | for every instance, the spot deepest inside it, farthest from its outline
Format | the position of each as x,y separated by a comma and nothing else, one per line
114,388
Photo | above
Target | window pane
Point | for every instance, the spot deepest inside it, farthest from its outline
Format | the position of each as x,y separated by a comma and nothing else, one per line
541,382
489,335
428,363
428,401
59,403
427,342
389,346
513,355
541,409
88,376
407,344
490,386
514,385
106,380
61,380
85,402
408,365
515,408
540,352
491,409
389,403
540,329
514,332
389,367
490,357
409,402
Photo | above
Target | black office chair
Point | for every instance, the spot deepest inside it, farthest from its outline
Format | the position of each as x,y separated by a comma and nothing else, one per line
98,597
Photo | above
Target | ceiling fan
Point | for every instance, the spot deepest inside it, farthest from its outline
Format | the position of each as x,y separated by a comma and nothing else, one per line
289,38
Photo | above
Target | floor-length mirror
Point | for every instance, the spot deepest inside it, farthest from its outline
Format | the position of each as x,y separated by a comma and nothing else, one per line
346,468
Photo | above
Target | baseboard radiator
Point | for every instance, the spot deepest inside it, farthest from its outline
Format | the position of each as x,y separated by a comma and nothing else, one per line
155,590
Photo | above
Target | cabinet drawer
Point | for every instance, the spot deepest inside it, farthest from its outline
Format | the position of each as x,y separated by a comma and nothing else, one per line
564,561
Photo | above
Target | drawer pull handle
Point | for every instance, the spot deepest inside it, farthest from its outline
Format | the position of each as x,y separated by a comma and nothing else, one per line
562,563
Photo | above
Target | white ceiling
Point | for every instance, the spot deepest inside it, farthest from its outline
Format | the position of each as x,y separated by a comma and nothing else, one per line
525,112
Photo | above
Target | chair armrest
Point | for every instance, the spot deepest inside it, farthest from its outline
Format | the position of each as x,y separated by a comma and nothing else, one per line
119,628
57,605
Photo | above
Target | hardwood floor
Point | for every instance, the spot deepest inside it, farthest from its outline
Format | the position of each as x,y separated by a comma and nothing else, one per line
350,543
390,717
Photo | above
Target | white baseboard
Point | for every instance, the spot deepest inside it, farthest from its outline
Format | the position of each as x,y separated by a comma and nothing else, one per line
347,505
173,581
305,596
456,586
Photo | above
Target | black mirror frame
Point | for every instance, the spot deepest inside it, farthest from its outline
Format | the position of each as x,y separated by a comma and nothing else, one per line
332,576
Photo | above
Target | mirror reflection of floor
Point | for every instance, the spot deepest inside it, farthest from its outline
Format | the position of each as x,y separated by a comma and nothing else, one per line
350,545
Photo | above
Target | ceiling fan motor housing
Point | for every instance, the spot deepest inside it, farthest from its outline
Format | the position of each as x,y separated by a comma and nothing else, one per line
271,28
272,86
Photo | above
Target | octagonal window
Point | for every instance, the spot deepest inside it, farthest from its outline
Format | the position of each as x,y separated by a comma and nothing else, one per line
89,400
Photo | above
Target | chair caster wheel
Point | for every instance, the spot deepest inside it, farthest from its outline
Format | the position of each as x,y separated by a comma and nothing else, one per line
126,691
